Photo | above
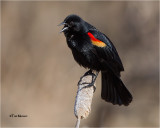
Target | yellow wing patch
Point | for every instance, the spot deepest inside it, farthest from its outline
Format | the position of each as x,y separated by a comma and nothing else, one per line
98,43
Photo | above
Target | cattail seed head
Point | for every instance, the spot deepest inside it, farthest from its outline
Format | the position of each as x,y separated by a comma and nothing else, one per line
84,97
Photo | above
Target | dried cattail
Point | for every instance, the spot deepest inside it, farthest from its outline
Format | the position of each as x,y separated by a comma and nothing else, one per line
84,97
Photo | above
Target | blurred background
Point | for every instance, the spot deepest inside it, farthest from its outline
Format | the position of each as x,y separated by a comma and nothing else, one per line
39,74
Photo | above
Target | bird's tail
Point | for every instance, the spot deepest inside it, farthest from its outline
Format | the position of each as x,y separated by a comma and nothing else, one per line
113,90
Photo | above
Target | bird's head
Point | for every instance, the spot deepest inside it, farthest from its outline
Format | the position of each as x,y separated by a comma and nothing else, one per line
73,24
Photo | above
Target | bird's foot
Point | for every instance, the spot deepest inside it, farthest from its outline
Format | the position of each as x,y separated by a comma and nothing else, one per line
93,79
89,85
89,72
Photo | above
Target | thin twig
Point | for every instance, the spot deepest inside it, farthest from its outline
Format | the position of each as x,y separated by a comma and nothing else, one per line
78,122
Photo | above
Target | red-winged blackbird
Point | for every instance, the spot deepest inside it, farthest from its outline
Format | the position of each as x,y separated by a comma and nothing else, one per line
94,50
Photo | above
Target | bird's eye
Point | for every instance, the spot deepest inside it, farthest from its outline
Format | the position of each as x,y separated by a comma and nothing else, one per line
72,23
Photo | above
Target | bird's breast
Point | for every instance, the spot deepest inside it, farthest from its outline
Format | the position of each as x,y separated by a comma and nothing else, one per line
82,53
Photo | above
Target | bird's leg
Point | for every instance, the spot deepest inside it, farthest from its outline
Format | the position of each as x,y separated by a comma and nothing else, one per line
87,73
94,76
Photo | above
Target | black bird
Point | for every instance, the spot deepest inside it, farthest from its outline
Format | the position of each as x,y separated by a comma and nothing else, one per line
94,50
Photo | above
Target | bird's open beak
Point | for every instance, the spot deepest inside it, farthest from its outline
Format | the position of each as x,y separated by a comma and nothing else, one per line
63,23
65,28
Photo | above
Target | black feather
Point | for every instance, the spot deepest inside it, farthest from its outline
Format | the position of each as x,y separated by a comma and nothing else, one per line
113,90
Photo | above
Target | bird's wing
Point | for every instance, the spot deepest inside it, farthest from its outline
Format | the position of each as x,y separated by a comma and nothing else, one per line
106,51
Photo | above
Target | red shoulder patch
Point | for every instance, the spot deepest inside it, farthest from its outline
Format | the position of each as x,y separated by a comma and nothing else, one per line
96,41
